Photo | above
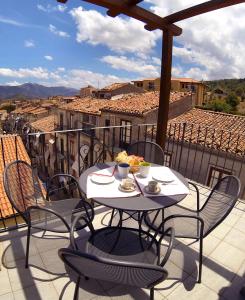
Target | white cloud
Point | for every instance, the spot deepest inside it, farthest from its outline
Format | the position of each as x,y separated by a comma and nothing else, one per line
29,44
212,44
48,57
11,22
76,78
60,33
49,8
118,34
131,65
13,83
38,72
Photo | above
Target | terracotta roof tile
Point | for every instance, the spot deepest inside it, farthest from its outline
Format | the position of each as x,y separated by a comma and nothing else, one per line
214,130
139,104
9,148
45,124
86,105
114,86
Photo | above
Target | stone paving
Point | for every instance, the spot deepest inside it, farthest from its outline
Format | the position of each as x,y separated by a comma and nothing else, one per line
46,278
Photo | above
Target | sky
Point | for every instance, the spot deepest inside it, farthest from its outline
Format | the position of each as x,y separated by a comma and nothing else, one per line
77,44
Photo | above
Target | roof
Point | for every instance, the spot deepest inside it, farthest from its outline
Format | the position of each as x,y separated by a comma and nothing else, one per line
45,124
139,104
86,105
38,111
114,86
9,148
211,129
188,80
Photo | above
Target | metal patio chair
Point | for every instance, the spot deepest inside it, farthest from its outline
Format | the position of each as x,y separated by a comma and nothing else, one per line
120,255
199,223
27,195
151,151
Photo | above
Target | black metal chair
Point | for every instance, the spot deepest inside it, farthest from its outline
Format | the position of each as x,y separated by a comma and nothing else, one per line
199,223
124,256
27,195
151,151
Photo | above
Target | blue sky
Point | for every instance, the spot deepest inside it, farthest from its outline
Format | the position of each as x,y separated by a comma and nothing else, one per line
77,44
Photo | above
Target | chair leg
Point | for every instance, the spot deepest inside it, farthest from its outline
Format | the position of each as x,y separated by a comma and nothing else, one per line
152,293
28,246
200,259
77,289
112,216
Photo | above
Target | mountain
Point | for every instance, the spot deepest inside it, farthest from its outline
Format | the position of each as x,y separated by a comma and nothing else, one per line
33,90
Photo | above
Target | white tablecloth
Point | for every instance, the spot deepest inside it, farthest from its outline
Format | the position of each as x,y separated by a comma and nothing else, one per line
176,187
110,190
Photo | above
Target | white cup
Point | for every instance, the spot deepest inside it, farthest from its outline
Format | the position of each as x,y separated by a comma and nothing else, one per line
145,169
123,170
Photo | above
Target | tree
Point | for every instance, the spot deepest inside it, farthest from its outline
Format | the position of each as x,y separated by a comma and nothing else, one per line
232,100
8,107
219,105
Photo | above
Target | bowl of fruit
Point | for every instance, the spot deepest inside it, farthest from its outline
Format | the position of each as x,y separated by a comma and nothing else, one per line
133,160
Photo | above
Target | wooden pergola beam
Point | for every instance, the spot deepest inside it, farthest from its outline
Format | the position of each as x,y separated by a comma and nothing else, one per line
200,9
165,87
136,12
114,13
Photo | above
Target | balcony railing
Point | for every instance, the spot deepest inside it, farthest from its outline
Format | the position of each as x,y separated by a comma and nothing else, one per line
191,150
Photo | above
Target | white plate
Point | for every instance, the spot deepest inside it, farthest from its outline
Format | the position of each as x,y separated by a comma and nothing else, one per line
164,177
102,179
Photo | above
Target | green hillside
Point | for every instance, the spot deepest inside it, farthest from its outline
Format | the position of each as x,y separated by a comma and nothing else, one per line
229,86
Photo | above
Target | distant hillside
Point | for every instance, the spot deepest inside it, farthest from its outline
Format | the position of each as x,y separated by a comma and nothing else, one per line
32,90
229,86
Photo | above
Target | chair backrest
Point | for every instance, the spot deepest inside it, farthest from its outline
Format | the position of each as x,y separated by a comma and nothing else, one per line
151,151
120,272
62,187
220,202
22,186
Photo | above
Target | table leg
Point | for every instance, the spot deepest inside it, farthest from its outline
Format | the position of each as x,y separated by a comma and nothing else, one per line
119,231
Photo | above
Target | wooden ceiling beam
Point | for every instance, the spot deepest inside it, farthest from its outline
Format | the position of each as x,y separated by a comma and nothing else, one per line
114,13
200,9
137,13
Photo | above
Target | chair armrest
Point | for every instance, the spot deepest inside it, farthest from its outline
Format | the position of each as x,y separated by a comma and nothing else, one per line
169,231
35,207
198,194
199,219
73,228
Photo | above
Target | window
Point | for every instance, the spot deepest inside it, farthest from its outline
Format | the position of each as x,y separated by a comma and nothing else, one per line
61,146
61,121
93,120
125,133
72,149
151,86
215,174
107,124
71,121
85,118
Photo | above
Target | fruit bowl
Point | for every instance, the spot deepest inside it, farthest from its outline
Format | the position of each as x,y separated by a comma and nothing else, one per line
133,160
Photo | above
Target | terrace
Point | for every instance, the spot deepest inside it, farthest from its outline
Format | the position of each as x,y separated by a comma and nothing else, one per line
224,255
46,278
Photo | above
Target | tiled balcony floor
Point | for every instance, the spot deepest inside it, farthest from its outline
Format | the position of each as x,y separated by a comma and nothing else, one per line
223,269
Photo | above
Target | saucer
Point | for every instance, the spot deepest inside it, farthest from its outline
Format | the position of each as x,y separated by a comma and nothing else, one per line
122,189
146,188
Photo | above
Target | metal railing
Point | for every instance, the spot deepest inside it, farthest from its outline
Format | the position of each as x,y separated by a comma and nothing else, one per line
192,150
